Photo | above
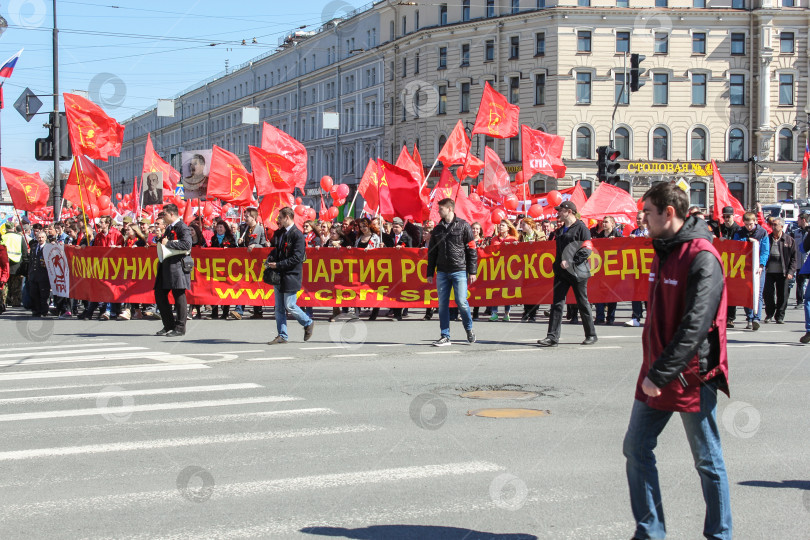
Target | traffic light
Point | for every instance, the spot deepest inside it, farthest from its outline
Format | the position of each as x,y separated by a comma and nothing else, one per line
43,148
607,164
636,72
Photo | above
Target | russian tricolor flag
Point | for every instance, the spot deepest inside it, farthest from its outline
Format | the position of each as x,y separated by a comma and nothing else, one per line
8,67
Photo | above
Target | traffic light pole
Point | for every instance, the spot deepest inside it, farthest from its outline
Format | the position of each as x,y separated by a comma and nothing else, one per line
618,100
57,174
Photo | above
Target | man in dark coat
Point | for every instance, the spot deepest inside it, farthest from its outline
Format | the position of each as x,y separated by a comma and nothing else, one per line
571,271
287,258
39,286
397,239
172,276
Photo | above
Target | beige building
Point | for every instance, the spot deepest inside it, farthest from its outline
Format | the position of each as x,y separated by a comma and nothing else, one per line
724,82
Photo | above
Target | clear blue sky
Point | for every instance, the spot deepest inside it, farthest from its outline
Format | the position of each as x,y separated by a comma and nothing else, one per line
130,56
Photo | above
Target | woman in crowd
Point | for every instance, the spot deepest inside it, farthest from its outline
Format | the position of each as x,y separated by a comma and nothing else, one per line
480,242
132,239
528,233
223,238
506,234
336,240
608,230
323,231
369,238
311,236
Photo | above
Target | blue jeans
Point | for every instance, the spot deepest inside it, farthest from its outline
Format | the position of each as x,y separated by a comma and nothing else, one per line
286,302
457,282
807,306
702,433
750,314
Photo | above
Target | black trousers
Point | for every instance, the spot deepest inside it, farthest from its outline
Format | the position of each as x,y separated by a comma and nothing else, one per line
800,281
775,285
40,292
561,286
165,308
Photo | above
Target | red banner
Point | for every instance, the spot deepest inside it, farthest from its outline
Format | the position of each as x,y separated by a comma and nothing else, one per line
387,277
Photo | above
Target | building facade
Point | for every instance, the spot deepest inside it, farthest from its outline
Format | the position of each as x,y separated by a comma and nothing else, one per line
725,80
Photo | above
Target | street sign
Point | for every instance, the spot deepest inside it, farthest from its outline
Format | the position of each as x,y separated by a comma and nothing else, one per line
27,104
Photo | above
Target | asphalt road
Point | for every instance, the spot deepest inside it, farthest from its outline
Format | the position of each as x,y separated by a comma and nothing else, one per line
362,432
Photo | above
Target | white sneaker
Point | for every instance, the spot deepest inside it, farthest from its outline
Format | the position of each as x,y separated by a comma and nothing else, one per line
124,315
632,322
105,316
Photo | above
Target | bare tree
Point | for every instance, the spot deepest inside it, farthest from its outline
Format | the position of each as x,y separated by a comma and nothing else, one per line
48,179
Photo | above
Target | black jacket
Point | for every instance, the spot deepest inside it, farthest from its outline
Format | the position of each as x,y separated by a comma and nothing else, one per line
722,231
404,240
452,248
171,273
704,289
37,271
787,247
573,246
289,254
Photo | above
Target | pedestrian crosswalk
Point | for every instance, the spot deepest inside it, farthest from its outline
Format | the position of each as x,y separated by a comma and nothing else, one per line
97,436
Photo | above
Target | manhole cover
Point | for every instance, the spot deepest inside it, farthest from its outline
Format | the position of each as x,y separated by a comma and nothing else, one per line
499,394
508,413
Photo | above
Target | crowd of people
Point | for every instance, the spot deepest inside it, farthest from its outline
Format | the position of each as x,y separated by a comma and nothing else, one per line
24,279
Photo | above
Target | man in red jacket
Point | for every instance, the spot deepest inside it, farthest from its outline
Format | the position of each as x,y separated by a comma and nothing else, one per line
684,364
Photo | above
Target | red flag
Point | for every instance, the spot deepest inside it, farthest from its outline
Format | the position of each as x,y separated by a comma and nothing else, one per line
406,162
417,158
152,162
92,181
92,132
609,200
496,116
471,168
228,179
400,193
542,153
805,161
723,198
369,186
136,195
496,179
456,148
272,172
28,192
276,141
270,206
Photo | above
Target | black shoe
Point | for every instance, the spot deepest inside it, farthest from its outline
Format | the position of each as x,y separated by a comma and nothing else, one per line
175,333
729,324
442,342
590,340
426,318
308,331
372,317
547,342
470,336
163,332
397,317
257,316
780,321
755,326
805,338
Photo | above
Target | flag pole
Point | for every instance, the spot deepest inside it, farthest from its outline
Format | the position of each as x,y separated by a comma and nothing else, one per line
428,175
351,206
79,175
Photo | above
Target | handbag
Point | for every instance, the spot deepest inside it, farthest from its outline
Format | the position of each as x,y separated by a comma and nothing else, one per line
188,264
271,276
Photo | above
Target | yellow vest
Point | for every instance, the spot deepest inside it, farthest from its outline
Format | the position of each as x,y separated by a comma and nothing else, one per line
13,243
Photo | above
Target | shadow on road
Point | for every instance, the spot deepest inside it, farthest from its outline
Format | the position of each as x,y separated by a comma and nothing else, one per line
413,532
790,484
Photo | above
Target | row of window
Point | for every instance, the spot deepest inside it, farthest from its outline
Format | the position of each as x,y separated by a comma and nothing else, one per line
787,42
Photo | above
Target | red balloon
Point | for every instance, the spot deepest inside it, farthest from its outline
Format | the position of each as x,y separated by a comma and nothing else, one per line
311,214
343,191
93,210
104,201
554,198
299,200
118,196
340,202
480,188
497,215
332,212
519,177
640,204
535,211
334,192
473,196
510,202
300,210
326,183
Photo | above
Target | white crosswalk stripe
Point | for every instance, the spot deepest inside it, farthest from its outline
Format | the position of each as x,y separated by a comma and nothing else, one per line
67,459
